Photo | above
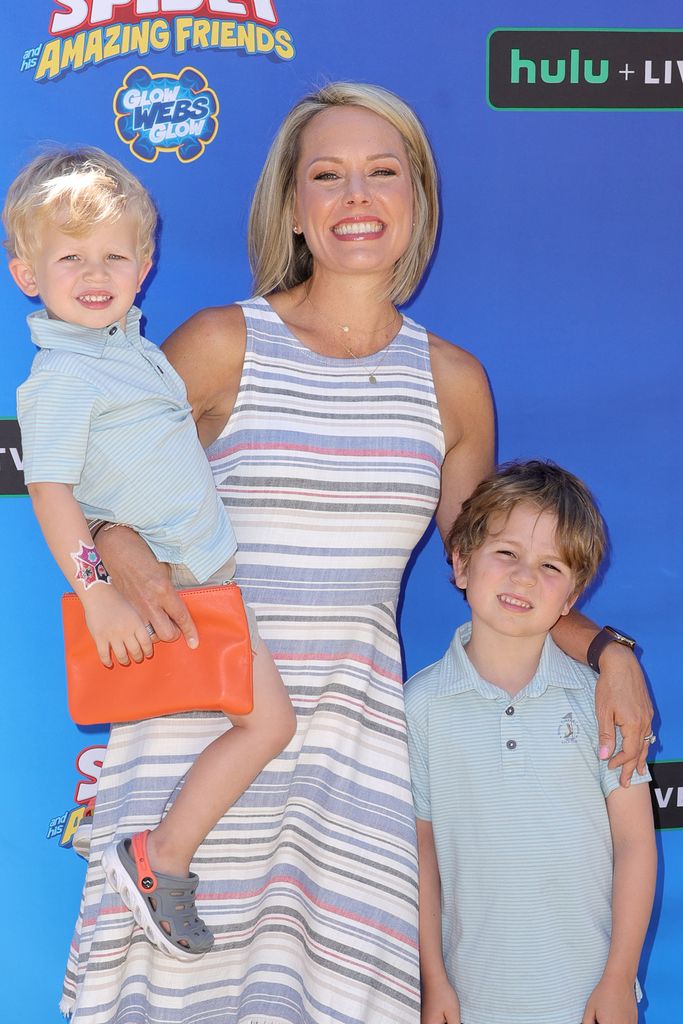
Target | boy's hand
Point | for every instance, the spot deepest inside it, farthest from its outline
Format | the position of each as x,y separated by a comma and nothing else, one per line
114,623
440,1004
613,1001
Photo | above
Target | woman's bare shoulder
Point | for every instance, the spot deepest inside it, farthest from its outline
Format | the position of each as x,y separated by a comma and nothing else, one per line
467,419
462,391
220,329
208,352
453,362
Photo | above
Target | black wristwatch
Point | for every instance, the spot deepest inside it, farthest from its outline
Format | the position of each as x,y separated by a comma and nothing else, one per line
607,635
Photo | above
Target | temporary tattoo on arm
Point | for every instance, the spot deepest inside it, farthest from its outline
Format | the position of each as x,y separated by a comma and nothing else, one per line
89,566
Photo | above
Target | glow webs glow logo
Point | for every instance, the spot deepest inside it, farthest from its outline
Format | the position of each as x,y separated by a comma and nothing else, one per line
174,113
91,32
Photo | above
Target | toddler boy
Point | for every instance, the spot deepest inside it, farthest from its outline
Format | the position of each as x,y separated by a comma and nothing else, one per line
108,434
537,869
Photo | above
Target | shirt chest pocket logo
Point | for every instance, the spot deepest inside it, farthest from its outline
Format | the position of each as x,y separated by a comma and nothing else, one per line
568,729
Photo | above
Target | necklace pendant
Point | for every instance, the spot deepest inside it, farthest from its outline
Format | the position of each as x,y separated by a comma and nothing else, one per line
372,378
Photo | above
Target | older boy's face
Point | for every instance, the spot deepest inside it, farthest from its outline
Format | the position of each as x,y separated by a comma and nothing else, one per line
91,280
517,582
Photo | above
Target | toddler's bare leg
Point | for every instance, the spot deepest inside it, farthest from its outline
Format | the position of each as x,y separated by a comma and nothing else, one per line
224,770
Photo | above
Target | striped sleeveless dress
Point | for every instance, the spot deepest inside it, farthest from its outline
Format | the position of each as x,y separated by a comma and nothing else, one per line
309,883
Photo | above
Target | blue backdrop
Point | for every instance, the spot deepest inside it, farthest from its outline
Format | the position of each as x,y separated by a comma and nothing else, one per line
558,265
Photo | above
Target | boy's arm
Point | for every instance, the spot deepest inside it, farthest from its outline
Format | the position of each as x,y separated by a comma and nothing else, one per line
621,696
635,868
439,1001
112,621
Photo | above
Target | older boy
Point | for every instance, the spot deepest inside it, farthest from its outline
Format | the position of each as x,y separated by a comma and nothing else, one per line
537,869
108,434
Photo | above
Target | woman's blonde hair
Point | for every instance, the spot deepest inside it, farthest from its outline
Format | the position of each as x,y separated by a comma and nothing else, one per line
280,259
78,189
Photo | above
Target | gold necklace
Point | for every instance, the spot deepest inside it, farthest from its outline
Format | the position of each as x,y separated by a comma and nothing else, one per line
371,376
346,328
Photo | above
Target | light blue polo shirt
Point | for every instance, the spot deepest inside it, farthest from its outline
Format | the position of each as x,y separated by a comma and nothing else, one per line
104,410
516,793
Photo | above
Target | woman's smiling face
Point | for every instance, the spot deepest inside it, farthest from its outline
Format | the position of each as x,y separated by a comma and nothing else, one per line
354,194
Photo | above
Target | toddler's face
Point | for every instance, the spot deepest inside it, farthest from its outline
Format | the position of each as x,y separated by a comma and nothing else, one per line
517,581
90,280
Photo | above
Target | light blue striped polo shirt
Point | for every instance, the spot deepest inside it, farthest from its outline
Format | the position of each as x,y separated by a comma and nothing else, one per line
104,410
516,793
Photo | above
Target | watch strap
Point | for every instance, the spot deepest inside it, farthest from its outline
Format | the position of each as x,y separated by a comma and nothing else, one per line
607,635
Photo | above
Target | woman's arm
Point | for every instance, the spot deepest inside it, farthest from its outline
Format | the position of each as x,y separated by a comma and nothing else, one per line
146,584
466,411
439,1000
635,869
208,353
621,696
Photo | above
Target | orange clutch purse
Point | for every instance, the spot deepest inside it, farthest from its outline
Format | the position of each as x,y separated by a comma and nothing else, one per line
217,676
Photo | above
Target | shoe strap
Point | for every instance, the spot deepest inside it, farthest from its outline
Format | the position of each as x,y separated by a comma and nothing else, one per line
146,880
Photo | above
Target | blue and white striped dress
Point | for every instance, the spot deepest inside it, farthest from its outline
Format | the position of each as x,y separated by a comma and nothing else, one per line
310,882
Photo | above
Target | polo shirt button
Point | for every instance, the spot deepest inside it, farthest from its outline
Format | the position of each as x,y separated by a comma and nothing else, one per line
510,710
511,744
112,330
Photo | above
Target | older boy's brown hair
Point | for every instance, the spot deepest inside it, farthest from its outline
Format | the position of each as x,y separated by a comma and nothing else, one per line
580,531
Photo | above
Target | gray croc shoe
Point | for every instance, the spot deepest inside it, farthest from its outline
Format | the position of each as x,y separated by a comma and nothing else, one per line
155,899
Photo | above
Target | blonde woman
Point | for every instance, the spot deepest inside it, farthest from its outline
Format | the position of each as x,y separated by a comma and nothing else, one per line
335,427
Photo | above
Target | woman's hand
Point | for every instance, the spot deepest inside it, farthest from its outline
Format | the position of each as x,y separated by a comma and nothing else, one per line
146,584
621,698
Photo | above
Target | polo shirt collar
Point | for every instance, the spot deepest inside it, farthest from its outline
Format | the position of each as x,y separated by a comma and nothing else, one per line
459,674
86,341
